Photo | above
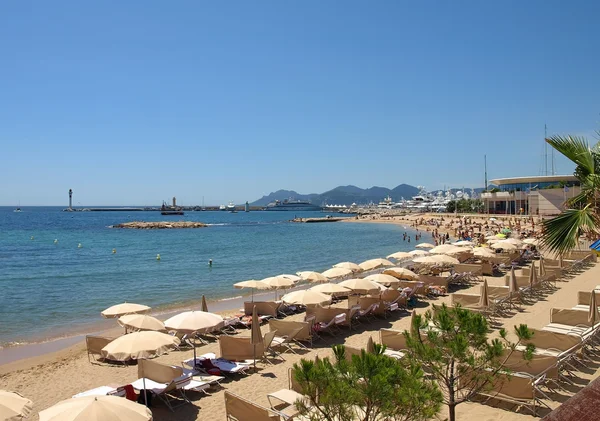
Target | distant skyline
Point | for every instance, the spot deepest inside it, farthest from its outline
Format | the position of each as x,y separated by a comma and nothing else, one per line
134,103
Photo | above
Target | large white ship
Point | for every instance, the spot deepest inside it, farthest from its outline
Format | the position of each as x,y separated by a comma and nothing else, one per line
292,205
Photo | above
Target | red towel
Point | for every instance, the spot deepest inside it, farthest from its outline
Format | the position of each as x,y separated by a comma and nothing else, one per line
130,393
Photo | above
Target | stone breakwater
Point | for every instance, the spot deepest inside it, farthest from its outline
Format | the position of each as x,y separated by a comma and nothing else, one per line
159,225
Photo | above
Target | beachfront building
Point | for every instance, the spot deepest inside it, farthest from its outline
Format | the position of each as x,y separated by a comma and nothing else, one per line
540,195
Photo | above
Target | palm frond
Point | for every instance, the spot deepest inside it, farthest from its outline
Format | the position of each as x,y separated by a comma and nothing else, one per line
561,233
576,149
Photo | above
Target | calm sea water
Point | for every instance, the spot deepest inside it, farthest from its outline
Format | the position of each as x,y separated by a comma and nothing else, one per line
47,288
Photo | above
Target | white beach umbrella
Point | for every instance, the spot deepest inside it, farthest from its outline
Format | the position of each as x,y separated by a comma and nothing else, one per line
483,253
415,253
139,345
293,278
193,321
402,273
383,279
514,241
336,273
503,245
464,243
425,246
122,309
361,286
348,265
312,276
447,249
436,260
306,297
330,288
400,255
532,241
254,284
96,408
375,263
13,406
279,282
141,322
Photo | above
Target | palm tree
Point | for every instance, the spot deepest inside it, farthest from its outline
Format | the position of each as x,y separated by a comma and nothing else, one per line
582,214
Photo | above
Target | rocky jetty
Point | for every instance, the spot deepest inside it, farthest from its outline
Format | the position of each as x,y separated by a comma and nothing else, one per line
160,225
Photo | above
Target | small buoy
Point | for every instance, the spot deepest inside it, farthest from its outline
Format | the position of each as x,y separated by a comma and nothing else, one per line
56,241
32,237
114,251
79,246
158,257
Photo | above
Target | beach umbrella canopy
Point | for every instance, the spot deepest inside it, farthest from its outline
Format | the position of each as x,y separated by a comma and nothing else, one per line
293,278
279,282
484,299
337,272
532,275
503,245
348,265
375,263
193,321
512,282
425,246
501,235
532,241
138,345
491,237
418,253
370,345
306,297
122,309
204,306
361,286
387,280
464,243
141,322
593,316
447,249
252,283
312,276
437,259
330,288
542,267
13,406
400,255
483,253
96,408
514,241
255,333
401,273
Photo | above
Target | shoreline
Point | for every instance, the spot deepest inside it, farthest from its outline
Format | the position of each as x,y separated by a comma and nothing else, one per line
24,354
27,354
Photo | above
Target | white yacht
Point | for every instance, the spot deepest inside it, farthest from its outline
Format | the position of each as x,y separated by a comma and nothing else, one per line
231,206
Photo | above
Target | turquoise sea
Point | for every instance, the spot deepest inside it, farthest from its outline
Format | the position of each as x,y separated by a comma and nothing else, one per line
48,289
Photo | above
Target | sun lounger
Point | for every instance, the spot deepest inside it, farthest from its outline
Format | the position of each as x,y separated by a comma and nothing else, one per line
518,389
224,365
95,344
294,332
240,409
102,391
263,308
234,348
394,342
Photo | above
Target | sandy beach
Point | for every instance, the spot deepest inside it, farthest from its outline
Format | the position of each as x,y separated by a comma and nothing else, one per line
52,377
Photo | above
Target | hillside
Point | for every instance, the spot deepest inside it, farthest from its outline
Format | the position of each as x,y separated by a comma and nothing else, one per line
343,195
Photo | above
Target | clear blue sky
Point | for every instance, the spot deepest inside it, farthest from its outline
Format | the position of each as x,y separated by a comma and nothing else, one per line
134,102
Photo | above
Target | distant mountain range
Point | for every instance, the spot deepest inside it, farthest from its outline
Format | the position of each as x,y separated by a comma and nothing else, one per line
343,195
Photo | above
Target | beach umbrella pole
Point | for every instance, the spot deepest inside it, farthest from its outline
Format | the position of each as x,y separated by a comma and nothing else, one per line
144,382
